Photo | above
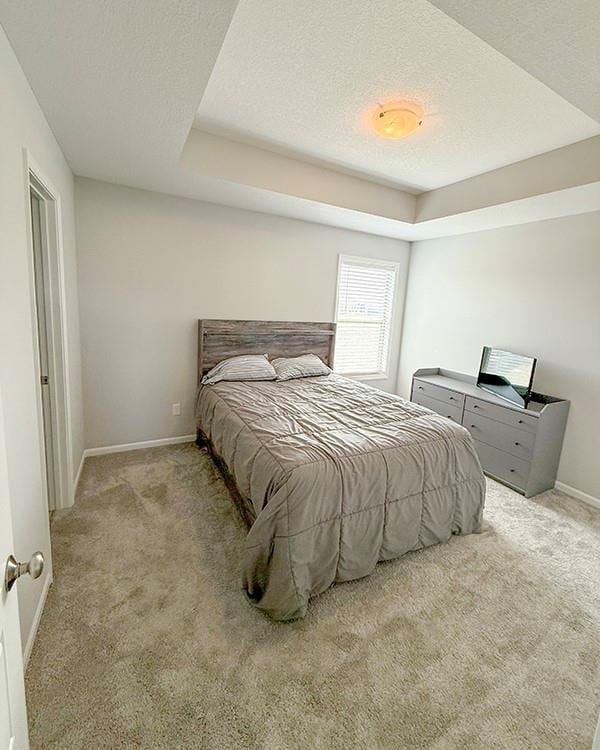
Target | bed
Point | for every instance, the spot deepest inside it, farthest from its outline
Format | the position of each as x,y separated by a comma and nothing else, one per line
330,476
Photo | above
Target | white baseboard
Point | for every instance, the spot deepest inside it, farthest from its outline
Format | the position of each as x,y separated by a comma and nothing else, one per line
138,446
578,494
78,477
36,620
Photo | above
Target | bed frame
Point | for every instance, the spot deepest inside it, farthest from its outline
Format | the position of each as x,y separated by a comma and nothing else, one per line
220,339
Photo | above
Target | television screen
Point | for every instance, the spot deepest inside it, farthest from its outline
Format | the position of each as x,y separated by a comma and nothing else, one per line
507,375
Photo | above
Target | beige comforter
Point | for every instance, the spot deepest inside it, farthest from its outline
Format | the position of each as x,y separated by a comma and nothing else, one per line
341,476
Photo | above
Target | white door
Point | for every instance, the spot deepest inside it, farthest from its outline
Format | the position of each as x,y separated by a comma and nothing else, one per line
13,718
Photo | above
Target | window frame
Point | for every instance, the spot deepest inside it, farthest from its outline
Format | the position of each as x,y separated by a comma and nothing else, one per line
379,263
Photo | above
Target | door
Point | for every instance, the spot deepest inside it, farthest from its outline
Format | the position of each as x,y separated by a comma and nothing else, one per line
13,719
42,298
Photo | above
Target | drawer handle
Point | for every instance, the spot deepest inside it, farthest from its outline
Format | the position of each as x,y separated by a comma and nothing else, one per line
474,426
451,398
517,443
519,421
419,387
512,471
475,406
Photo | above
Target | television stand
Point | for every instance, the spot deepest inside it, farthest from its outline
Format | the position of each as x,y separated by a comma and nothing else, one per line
518,446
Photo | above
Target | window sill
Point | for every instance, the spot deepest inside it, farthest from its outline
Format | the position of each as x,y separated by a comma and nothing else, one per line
366,376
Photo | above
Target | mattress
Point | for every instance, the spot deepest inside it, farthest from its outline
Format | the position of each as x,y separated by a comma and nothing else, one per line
340,476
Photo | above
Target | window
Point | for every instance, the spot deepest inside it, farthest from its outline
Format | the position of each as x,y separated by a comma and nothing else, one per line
365,302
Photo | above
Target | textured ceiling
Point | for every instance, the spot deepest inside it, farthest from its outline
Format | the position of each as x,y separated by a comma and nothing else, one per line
119,82
297,77
555,40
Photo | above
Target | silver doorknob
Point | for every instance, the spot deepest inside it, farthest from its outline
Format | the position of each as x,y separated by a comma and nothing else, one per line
15,569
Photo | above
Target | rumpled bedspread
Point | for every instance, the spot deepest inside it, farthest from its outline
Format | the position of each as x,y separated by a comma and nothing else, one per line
341,476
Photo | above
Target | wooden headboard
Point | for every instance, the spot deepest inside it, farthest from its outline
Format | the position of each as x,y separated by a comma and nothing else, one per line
219,339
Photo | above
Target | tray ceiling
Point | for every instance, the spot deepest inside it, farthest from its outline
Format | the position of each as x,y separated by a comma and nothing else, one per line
298,77
120,84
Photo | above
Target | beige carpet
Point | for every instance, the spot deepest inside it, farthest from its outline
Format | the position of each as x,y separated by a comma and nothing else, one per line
489,641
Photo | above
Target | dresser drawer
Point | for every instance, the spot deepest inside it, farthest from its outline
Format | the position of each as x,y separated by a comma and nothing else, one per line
446,410
500,414
518,443
502,465
422,388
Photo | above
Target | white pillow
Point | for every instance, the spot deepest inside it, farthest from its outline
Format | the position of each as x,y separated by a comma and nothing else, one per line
304,366
244,367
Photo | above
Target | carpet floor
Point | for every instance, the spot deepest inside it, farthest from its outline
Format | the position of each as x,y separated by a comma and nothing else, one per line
488,641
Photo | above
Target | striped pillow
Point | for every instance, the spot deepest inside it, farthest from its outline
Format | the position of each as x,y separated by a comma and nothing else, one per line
245,367
305,366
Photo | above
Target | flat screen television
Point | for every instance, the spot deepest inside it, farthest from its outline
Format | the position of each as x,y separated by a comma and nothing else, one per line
507,375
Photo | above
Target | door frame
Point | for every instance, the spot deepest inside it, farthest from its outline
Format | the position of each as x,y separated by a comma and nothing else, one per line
52,248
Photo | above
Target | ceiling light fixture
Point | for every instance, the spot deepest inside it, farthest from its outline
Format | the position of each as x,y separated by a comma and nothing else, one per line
397,119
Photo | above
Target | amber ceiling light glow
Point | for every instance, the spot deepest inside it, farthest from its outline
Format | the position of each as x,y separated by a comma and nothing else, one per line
397,119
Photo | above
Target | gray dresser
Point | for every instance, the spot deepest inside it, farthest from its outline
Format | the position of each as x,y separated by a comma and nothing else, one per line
520,447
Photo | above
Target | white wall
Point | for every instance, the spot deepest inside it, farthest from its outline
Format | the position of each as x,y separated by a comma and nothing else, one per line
22,125
533,289
150,265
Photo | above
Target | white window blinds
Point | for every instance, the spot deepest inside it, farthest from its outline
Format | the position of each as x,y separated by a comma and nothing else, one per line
365,301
